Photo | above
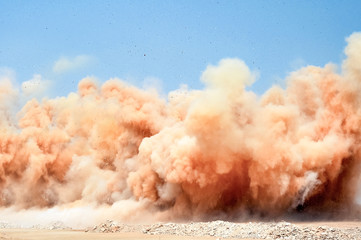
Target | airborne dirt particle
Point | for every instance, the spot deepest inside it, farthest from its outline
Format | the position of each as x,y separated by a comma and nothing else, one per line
115,151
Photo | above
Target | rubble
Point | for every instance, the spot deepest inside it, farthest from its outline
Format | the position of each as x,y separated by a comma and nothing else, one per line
224,229
219,230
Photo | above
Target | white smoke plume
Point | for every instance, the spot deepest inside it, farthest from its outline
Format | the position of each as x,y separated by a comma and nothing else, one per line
115,151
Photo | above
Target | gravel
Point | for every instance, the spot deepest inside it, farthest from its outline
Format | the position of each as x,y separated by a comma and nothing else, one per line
219,229
223,229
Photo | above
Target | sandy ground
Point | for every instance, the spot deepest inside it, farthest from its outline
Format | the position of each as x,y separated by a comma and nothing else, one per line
32,234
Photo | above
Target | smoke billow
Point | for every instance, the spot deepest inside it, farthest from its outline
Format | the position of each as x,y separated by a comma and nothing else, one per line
121,152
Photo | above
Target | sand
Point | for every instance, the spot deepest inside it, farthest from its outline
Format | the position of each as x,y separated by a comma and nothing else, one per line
35,234
42,234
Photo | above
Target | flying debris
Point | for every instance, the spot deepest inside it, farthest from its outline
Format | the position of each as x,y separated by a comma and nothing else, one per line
125,153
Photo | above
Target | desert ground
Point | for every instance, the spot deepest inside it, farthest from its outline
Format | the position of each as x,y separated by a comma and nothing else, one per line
203,230
32,234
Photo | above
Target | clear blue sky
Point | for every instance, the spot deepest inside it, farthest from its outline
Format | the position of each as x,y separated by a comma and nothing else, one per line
174,41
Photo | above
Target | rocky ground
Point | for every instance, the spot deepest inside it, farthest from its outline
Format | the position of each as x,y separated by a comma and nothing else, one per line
251,230
198,230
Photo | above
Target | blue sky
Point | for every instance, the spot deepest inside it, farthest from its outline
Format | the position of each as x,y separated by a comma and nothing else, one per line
57,43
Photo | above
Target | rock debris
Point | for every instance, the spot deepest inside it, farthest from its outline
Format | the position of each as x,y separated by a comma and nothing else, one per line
224,229
219,230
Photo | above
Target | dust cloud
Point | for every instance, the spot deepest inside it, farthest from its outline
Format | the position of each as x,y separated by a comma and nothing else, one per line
116,151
